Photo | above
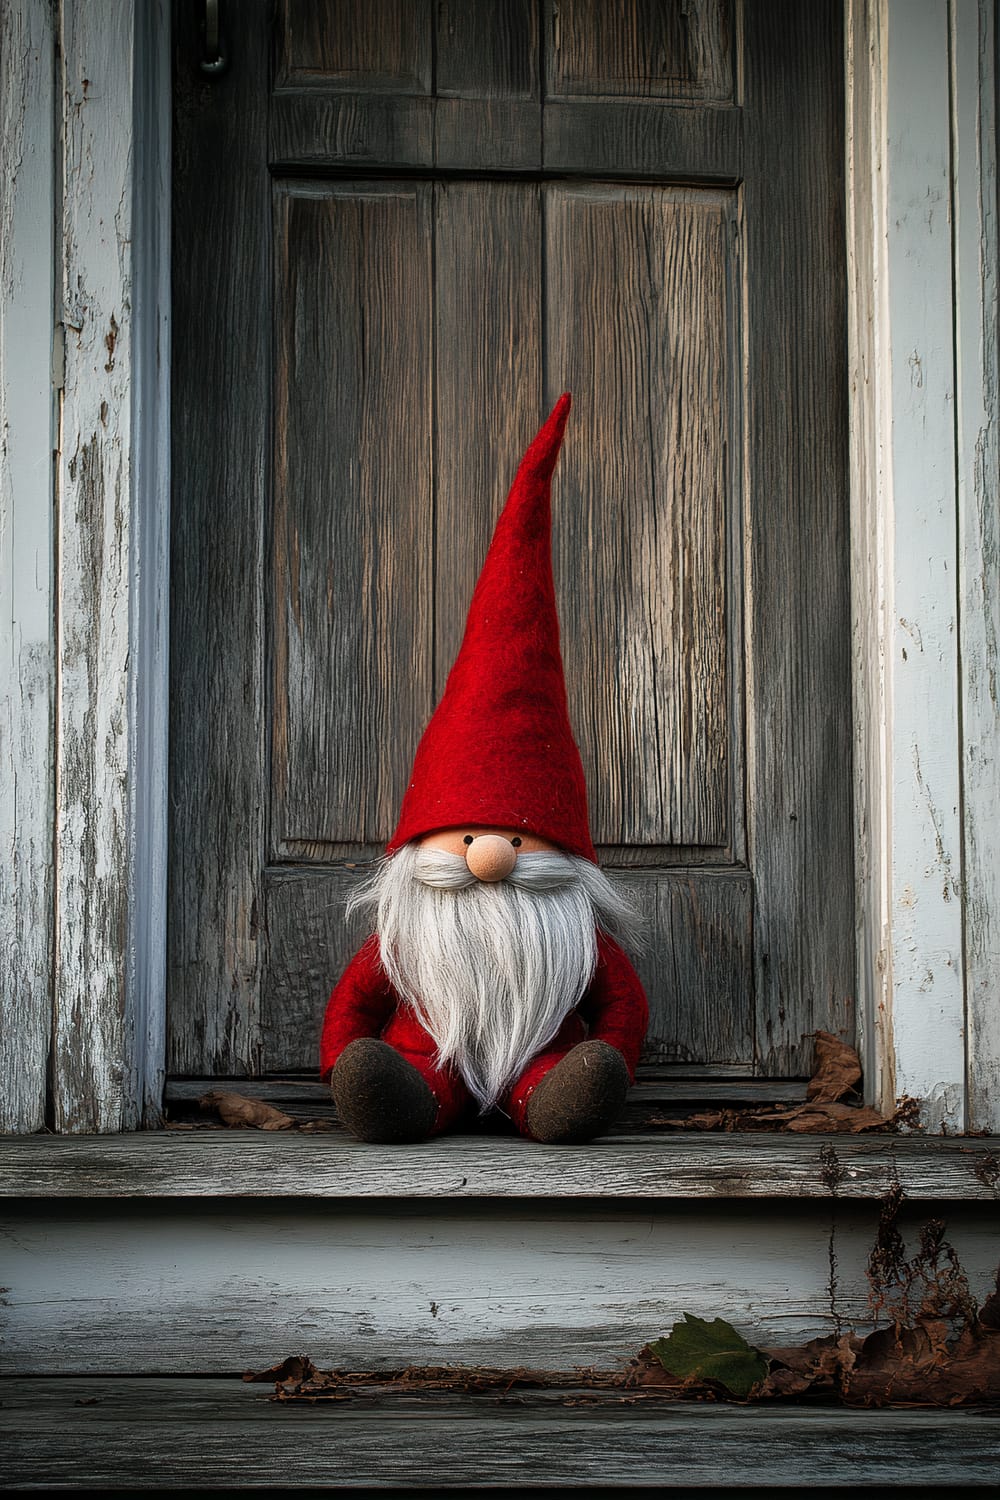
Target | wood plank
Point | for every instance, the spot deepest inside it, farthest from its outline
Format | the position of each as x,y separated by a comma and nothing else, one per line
247,1163
488,379
312,129
696,972
928,1004
301,1095
179,1434
670,143
796,532
697,968
93,1042
352,542
488,49
640,325
383,44
309,129
149,653
973,52
923,919
27,621
311,945
185,1287
487,135
683,49
222,202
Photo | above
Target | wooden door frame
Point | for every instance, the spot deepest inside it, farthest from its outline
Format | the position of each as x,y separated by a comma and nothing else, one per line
85,986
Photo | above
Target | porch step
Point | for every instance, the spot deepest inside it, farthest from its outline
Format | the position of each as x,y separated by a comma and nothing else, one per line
247,1163
161,1433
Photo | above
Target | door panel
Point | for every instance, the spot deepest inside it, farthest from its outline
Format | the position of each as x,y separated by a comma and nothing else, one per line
353,521
644,50
639,319
404,242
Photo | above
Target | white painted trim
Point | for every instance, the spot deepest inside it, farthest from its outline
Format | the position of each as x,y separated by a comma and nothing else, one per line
973,53
921,297
27,647
111,566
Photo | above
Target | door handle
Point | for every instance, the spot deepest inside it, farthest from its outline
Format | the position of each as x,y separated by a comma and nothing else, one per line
214,57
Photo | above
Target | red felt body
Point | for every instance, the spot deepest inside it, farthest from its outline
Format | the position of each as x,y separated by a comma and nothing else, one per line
499,750
364,1003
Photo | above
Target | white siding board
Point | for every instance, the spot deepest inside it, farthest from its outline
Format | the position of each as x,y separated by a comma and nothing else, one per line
924,757
977,264
27,647
92,1030
157,1290
920,289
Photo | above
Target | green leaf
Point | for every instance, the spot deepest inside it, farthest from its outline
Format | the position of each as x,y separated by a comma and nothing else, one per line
711,1351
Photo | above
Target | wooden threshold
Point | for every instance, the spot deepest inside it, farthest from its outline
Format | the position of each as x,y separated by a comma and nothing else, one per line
238,1163
158,1433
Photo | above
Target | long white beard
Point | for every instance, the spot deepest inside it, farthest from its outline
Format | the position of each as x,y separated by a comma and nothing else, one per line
490,970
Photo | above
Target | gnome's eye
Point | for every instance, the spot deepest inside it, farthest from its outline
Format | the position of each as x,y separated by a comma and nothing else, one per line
516,843
467,839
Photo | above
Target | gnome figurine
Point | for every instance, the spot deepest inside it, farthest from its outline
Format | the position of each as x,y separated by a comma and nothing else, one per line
493,979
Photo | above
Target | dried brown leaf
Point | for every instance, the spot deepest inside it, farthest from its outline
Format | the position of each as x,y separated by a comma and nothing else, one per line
989,1313
826,1118
915,1366
241,1113
836,1069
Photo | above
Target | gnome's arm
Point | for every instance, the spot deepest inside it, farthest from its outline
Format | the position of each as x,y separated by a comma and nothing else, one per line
360,1005
615,1007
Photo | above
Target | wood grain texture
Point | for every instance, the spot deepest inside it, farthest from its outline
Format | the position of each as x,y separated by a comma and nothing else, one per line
381,45
311,943
670,683
488,379
93,1040
191,1433
668,143
187,1287
150,647
487,50
307,1099
973,52
238,1164
696,971
311,129
27,620
681,49
220,476
638,322
486,135
796,540
353,536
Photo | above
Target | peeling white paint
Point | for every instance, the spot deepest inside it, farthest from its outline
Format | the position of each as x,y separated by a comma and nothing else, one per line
977,274
921,136
196,1287
92,1031
27,631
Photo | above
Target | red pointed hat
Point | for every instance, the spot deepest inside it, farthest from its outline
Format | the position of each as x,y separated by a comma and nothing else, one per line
499,749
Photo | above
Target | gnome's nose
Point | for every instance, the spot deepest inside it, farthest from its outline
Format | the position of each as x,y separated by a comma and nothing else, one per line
491,857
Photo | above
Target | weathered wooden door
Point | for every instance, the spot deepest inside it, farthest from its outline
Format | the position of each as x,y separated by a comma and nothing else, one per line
402,227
